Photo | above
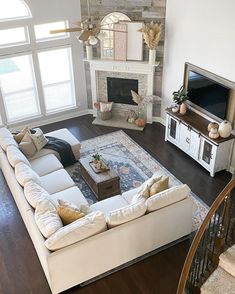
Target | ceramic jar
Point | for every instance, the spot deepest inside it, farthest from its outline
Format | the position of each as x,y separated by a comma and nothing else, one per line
225,129
183,108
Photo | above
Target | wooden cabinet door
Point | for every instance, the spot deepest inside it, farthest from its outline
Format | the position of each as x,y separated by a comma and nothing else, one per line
207,154
184,138
172,129
194,146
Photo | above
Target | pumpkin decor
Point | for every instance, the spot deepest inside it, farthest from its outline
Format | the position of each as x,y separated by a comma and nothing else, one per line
213,130
140,122
214,133
214,125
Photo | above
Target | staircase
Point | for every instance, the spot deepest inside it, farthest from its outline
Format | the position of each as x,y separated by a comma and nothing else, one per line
222,280
210,264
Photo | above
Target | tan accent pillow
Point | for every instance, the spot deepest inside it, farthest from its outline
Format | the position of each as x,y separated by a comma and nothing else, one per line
159,186
18,137
68,212
39,139
27,145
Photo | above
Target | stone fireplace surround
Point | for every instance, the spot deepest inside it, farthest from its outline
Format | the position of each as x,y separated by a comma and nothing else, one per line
141,71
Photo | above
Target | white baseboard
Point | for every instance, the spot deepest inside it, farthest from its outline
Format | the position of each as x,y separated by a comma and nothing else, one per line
49,120
159,119
231,170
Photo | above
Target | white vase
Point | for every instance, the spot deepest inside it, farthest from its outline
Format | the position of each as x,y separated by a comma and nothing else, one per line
152,56
89,52
225,129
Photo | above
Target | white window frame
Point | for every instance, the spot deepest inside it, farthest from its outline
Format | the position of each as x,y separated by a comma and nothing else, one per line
20,17
58,110
32,48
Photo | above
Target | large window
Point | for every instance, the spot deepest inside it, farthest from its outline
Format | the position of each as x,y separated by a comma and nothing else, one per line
107,24
18,87
36,68
57,79
13,9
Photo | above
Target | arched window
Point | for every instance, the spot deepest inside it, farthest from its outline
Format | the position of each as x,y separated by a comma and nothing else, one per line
107,41
13,9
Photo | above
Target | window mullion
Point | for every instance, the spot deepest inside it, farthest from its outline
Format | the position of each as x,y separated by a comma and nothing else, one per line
36,67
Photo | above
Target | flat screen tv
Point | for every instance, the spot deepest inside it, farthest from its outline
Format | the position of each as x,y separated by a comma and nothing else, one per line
207,94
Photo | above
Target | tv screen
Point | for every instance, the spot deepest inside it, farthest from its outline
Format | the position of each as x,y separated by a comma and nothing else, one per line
208,94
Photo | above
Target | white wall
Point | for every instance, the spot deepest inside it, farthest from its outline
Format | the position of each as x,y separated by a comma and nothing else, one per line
201,32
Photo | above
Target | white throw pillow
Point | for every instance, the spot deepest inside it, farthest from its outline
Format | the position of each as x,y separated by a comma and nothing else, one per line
25,174
91,224
39,139
144,189
125,214
34,193
47,218
167,197
27,145
15,156
6,139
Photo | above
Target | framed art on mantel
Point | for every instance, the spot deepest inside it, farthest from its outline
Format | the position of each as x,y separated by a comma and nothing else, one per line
134,41
120,41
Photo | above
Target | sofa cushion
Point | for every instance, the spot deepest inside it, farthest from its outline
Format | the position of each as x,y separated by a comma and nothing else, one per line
43,152
68,212
34,193
6,139
46,164
167,197
47,218
109,204
91,224
57,181
128,195
15,156
72,195
125,214
39,139
25,174
27,145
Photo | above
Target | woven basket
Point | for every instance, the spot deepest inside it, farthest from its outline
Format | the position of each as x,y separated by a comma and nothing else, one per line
105,115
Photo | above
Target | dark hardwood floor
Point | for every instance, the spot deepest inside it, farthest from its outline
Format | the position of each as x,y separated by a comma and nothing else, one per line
20,269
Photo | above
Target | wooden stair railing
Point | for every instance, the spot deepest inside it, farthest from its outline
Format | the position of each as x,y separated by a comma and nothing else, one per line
215,234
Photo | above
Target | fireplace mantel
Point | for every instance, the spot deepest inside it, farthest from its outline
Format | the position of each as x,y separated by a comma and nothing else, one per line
134,67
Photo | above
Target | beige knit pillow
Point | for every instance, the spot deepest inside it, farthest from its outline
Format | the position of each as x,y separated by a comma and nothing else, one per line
159,186
68,212
27,145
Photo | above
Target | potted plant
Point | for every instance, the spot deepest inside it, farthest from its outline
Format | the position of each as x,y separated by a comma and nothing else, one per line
179,98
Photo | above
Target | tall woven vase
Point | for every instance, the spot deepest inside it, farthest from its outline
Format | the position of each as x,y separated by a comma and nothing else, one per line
152,56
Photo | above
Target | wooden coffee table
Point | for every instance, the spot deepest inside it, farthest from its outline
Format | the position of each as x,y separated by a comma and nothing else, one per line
105,184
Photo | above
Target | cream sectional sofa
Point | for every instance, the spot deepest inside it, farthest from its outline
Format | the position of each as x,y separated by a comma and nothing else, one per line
106,250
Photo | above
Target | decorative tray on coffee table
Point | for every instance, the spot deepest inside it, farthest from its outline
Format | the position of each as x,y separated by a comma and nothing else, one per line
98,171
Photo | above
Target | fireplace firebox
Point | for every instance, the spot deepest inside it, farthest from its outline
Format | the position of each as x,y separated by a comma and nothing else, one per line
119,90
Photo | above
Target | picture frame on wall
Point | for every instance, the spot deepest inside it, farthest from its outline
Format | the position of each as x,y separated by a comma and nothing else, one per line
134,40
120,41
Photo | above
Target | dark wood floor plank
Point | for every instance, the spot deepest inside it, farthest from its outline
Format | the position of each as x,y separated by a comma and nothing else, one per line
20,269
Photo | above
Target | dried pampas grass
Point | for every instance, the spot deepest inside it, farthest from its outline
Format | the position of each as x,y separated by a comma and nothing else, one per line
136,98
152,34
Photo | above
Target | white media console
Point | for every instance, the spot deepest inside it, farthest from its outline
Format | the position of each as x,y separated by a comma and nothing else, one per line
189,133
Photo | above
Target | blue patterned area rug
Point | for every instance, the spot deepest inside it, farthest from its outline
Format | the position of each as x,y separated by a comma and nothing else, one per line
132,163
